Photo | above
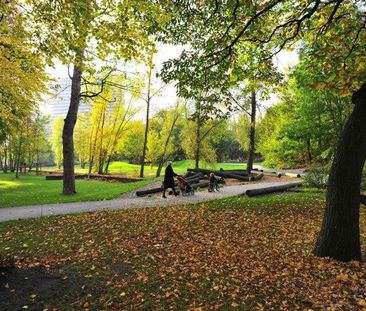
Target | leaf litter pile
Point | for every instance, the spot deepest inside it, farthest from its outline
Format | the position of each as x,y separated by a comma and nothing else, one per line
232,254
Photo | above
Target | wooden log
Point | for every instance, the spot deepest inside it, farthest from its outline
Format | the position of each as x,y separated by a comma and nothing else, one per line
149,191
275,174
257,177
160,189
237,172
293,175
223,174
195,176
54,177
203,184
189,174
265,190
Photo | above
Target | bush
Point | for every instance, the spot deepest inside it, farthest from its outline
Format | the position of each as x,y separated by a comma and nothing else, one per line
317,177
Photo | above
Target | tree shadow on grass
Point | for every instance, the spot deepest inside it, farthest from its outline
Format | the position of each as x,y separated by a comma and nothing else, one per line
41,288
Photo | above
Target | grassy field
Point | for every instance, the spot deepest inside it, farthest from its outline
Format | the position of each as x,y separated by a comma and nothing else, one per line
33,189
232,254
133,170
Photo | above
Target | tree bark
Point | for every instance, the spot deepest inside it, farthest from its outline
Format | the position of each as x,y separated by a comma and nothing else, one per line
339,237
147,122
252,132
69,125
5,168
197,150
158,171
18,156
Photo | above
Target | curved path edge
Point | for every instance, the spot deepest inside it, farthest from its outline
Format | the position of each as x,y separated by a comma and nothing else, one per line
35,211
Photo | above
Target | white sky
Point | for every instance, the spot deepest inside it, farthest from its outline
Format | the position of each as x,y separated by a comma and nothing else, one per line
168,97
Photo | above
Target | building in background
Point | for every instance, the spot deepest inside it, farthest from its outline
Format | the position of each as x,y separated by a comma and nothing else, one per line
57,105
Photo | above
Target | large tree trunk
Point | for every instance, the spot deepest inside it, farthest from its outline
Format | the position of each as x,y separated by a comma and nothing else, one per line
68,130
252,132
339,237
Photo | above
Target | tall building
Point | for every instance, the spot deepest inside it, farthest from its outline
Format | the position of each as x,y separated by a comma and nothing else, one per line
57,105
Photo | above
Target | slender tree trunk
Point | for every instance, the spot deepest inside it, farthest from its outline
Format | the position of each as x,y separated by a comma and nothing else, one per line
18,156
308,147
107,165
252,132
158,171
101,150
163,156
5,168
197,150
339,237
147,124
69,125
11,160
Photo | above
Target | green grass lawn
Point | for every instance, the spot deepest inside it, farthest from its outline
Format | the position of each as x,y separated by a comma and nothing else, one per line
133,170
33,189
231,254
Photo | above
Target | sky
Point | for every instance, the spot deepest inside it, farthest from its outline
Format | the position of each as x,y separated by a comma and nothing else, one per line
168,96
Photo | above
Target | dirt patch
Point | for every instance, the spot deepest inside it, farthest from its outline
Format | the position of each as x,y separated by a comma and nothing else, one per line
40,288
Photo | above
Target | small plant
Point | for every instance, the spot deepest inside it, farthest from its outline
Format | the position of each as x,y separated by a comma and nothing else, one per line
317,177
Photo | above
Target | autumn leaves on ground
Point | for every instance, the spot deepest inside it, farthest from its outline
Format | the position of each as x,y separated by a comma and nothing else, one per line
236,253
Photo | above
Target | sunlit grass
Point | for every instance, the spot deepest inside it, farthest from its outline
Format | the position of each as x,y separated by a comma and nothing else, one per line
34,189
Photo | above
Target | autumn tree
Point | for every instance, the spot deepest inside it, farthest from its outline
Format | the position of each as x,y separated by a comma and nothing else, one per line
110,116
160,145
22,71
335,31
87,30
132,143
56,140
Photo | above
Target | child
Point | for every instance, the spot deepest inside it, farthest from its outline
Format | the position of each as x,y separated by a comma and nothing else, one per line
213,185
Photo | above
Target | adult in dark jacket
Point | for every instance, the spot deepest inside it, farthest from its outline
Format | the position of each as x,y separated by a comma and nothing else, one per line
169,179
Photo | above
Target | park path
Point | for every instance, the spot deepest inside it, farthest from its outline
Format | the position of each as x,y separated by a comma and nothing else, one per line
128,200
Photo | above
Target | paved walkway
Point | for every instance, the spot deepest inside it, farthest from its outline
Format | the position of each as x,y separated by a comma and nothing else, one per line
126,201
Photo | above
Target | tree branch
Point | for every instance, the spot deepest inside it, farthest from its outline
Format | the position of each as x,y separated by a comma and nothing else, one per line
102,84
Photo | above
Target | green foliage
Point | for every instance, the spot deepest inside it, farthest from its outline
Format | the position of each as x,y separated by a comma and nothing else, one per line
317,177
56,140
22,70
162,134
304,128
105,28
132,144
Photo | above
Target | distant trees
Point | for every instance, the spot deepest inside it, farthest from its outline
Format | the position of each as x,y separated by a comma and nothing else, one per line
132,144
27,147
22,81
305,127
56,140
163,135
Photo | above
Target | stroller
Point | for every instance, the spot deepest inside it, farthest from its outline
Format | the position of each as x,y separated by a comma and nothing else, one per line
184,186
